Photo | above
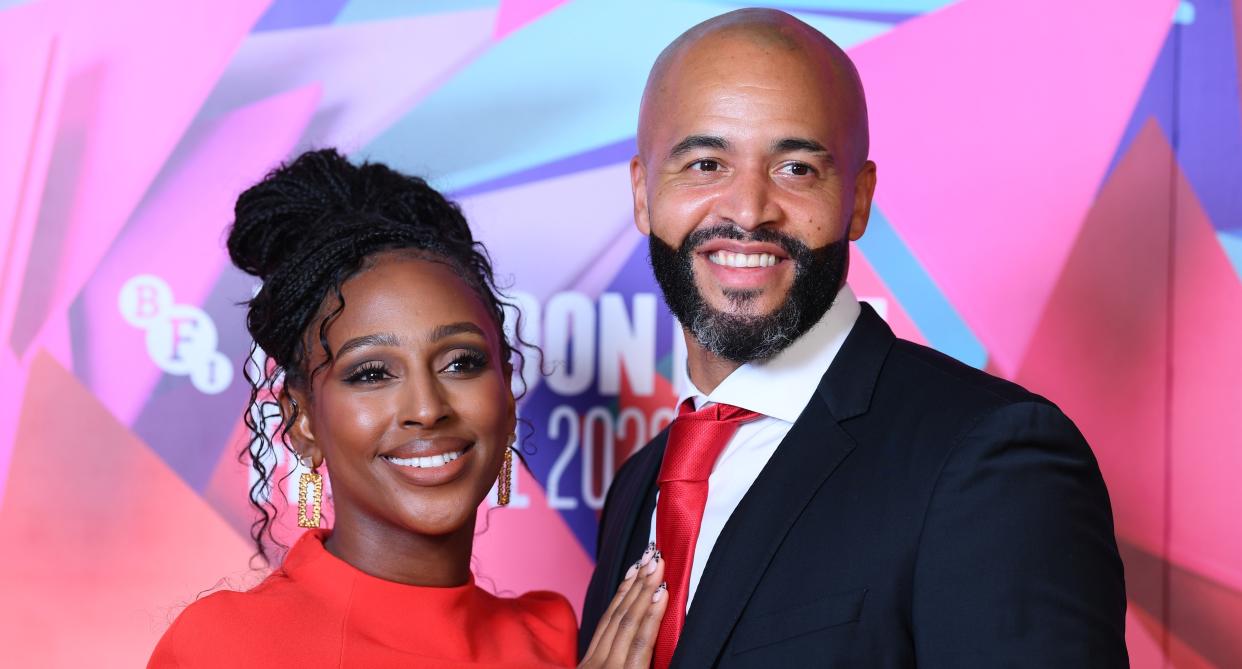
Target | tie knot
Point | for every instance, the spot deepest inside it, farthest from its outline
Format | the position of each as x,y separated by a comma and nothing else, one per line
717,411
696,438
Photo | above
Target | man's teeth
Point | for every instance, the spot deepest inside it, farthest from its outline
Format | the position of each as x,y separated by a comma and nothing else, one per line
742,259
429,461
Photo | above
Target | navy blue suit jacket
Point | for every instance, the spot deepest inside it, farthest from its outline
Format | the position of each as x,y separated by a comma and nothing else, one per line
919,513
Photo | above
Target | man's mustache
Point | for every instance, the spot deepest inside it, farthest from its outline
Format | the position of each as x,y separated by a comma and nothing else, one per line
797,251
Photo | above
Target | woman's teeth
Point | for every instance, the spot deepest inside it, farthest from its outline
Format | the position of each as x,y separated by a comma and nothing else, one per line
742,259
429,461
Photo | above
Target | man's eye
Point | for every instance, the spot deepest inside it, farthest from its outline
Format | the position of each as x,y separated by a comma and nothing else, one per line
799,169
706,165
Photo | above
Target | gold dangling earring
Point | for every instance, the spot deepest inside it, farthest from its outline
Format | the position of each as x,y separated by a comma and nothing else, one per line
309,514
505,479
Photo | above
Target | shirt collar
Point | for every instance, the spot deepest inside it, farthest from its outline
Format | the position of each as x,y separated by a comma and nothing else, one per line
781,386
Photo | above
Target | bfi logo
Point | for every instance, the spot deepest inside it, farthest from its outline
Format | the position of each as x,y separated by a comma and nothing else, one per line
181,339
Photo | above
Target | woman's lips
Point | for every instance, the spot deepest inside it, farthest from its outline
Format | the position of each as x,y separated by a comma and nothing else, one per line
426,462
430,462
426,447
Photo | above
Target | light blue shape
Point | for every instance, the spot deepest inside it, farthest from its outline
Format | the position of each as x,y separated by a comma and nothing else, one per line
894,6
918,293
1232,243
1185,13
9,4
566,83
357,11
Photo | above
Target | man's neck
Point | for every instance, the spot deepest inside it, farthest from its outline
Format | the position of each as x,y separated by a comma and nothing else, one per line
707,370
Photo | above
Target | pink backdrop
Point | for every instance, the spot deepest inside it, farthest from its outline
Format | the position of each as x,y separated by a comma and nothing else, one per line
1058,203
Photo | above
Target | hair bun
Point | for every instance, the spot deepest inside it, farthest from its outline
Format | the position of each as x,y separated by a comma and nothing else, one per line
276,216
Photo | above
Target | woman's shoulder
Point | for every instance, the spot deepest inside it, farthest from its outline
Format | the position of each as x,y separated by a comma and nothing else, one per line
231,607
545,603
227,624
545,617
238,606
206,621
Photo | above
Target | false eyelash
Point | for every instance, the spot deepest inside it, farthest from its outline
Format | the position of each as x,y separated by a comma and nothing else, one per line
474,359
359,375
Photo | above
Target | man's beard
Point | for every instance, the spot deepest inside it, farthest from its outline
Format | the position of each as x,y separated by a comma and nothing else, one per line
818,274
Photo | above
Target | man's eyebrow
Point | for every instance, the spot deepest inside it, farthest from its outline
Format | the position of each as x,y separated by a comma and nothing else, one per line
698,142
791,144
451,329
380,339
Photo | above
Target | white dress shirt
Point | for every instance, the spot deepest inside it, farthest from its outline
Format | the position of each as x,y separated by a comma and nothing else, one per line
779,389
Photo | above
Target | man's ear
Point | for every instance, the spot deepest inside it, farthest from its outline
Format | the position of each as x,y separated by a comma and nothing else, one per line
864,190
638,186
295,413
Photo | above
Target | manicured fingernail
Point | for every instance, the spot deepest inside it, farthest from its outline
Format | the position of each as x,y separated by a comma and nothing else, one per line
648,553
659,593
651,566
633,571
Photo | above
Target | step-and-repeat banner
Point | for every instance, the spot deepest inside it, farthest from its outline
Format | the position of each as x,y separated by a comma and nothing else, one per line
1058,203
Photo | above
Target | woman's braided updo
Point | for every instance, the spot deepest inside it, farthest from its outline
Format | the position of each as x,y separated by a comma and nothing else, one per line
305,229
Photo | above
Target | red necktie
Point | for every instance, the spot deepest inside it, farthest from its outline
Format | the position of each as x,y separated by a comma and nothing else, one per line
695,440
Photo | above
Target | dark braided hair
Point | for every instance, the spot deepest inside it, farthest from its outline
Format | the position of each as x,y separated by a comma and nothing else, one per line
305,229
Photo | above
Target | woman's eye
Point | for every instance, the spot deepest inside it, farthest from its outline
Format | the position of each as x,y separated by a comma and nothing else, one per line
369,374
467,362
705,165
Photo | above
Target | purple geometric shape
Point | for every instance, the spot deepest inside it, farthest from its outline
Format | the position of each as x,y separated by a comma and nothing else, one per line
286,14
608,154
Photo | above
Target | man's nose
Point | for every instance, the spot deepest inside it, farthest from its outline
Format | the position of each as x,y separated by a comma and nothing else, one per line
747,200
424,403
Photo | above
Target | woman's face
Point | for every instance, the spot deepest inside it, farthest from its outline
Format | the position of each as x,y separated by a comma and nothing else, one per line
414,413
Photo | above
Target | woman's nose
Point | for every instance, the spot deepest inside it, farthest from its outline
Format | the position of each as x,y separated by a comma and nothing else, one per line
425,403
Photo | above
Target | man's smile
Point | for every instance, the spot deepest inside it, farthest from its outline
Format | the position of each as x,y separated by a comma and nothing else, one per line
742,265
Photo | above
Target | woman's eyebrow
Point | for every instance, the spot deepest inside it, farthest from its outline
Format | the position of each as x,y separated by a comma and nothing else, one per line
379,339
442,331
390,339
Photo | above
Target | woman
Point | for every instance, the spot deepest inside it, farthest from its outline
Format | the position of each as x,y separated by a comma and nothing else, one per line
380,313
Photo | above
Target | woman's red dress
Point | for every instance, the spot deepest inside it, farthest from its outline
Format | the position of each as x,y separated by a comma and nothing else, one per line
318,611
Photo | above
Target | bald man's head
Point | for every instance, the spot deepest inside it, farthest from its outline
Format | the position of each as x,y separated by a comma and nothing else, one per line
751,180
714,51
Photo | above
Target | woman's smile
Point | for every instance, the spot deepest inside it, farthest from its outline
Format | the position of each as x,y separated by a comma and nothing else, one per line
430,462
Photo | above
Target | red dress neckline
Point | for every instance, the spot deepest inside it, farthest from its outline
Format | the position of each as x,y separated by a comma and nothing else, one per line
317,610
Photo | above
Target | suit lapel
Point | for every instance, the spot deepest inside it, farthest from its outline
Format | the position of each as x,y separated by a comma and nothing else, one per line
634,506
815,446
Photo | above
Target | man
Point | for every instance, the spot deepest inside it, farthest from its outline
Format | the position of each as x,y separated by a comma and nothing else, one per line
831,495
